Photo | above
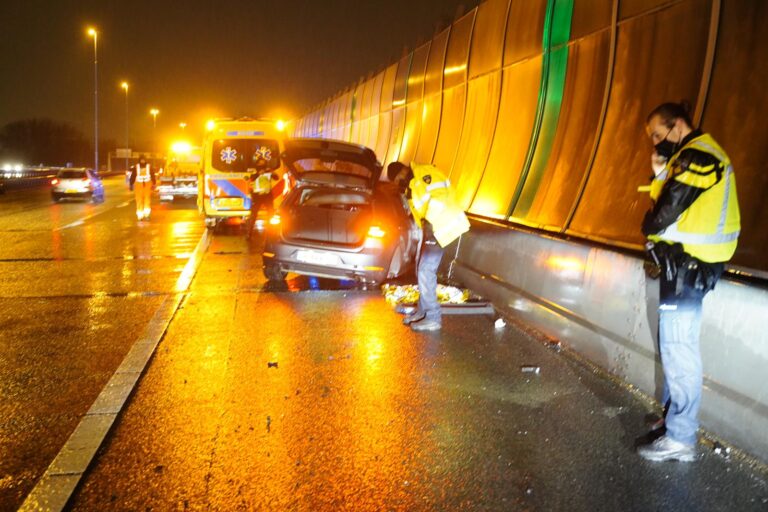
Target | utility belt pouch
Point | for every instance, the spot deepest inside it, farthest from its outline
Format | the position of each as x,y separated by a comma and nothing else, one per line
706,275
671,258
693,273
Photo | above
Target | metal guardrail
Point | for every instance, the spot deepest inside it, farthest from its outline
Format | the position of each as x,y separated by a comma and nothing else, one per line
26,177
27,174
35,176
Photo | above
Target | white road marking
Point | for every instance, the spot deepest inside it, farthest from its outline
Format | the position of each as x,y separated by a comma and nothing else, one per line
55,487
81,221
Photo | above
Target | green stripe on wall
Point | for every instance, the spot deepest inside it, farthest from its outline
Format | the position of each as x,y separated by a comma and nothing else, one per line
557,31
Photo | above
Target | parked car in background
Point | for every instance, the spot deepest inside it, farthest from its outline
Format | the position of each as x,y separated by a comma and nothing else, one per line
338,221
77,184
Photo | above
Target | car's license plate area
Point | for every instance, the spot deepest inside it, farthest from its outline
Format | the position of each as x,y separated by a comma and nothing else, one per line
317,257
229,202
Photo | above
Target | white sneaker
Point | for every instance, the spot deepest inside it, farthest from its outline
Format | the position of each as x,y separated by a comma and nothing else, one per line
425,325
665,448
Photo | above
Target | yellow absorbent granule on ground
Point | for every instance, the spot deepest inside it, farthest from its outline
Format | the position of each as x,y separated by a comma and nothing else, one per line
409,294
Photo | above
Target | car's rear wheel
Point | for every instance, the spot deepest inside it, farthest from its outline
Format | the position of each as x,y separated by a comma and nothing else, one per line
273,272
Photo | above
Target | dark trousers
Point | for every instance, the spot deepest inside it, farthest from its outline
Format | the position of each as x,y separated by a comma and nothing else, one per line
258,201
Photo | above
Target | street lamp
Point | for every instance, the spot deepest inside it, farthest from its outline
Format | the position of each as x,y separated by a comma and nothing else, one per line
124,86
182,125
153,112
95,35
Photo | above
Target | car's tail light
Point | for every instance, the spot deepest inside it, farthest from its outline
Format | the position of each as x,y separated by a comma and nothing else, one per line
54,181
376,232
274,220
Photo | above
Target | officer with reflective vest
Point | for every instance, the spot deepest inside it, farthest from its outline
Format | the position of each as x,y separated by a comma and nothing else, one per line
692,230
262,183
441,220
142,182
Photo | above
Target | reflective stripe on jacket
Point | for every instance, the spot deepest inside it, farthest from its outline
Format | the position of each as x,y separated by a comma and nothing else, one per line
432,200
143,175
709,228
262,184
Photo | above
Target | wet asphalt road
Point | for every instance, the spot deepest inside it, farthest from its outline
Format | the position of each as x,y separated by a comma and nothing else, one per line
296,398
78,281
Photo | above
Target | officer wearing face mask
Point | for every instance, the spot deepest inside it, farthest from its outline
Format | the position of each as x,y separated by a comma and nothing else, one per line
692,230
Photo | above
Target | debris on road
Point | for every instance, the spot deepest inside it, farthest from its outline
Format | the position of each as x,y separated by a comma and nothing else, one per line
721,450
272,364
500,323
409,294
530,369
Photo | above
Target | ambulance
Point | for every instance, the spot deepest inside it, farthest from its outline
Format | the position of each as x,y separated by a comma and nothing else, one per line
234,151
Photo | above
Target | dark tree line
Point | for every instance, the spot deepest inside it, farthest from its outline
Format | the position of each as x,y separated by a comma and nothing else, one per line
48,142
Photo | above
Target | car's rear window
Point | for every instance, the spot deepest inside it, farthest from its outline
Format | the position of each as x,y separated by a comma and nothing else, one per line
72,175
328,197
331,167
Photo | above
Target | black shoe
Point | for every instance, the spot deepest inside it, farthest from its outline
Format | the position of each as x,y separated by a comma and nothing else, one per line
413,317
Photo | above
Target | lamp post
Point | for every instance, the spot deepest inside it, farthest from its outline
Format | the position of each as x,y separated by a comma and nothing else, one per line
153,112
95,35
124,86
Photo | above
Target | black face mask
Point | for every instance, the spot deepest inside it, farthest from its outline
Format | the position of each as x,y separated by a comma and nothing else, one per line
402,182
666,148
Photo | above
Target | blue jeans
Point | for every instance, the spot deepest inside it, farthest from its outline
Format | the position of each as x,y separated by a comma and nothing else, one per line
426,274
679,330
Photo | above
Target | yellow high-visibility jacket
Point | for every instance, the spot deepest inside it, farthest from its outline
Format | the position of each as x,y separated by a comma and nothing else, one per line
432,200
696,201
262,184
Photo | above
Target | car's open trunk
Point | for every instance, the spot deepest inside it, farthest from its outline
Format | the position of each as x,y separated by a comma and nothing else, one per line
326,216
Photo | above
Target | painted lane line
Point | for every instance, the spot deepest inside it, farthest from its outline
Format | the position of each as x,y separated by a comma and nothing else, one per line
58,483
82,221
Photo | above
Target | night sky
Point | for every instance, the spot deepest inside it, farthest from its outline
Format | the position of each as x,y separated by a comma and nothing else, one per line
197,59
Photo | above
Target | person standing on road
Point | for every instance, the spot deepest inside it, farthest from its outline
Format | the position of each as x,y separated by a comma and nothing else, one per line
441,220
692,230
261,193
142,182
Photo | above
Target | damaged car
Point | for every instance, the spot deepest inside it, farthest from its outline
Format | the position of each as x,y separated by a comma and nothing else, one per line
338,221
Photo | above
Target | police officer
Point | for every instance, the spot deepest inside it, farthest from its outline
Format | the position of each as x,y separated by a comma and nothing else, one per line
441,220
262,182
692,230
142,182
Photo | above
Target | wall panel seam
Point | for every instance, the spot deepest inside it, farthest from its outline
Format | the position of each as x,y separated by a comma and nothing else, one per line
709,63
603,116
498,105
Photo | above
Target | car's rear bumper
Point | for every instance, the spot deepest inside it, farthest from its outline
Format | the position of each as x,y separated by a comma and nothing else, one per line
369,264
167,192
78,194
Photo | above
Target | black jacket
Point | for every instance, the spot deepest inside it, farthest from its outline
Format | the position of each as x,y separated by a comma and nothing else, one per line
676,197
